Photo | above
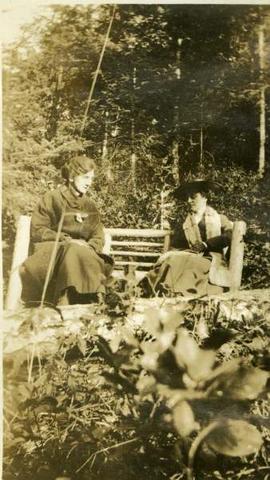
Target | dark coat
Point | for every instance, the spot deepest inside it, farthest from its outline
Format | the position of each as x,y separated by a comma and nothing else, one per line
46,217
214,244
76,265
184,271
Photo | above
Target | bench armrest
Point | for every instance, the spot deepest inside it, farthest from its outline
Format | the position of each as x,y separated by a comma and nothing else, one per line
237,254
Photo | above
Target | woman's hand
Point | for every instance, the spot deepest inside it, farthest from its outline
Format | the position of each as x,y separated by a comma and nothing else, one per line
199,247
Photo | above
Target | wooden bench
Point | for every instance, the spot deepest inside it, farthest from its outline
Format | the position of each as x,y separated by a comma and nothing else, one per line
131,248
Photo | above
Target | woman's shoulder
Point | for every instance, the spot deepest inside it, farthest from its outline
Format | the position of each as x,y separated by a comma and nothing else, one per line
90,203
226,222
52,196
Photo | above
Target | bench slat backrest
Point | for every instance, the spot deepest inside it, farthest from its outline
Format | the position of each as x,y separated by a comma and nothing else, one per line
131,246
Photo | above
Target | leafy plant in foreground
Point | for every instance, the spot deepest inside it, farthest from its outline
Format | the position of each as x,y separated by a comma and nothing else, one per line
205,403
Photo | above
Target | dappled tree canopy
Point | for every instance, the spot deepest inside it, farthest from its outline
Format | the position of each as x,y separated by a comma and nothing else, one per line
178,94
133,387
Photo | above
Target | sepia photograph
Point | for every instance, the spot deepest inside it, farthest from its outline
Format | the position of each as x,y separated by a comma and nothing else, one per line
135,240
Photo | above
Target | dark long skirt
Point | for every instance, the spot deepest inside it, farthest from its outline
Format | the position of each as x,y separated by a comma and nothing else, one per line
77,266
182,272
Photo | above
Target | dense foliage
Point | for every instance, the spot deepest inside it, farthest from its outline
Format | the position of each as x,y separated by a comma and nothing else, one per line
111,393
177,95
168,390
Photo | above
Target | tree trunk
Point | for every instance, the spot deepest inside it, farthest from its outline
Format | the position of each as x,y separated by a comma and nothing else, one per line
105,141
261,168
175,166
133,159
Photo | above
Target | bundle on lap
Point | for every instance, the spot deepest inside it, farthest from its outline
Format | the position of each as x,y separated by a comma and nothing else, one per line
80,270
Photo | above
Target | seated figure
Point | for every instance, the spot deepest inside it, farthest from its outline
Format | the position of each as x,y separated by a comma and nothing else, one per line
197,261
79,269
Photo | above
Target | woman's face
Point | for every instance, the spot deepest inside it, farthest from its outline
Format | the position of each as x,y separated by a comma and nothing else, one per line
83,182
197,202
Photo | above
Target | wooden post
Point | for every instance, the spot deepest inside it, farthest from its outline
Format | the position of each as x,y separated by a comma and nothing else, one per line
237,255
107,244
167,240
20,254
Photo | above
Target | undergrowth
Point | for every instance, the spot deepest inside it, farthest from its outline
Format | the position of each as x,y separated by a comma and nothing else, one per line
170,389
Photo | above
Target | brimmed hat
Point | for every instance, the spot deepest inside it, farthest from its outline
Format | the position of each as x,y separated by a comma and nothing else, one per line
195,186
77,166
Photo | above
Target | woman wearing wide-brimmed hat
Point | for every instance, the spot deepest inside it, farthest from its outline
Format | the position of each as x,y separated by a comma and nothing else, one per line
66,223
196,263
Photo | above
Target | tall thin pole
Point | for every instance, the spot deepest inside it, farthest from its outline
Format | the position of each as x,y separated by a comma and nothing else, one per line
97,71
52,258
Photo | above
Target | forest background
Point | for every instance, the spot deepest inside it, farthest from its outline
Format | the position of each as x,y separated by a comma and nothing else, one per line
135,389
182,93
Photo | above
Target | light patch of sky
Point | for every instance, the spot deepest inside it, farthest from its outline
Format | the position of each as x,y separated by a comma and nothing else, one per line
16,13
13,17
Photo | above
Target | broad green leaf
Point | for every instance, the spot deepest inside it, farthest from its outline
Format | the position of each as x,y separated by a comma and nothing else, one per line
235,438
165,318
149,361
186,349
155,346
227,368
175,395
146,384
246,383
82,345
199,363
151,321
128,336
249,383
202,367
183,419
166,339
202,329
115,342
170,319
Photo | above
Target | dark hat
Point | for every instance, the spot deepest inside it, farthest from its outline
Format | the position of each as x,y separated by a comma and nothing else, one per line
194,186
77,166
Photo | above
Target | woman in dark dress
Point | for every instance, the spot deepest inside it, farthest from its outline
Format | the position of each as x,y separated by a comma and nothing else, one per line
67,216
197,261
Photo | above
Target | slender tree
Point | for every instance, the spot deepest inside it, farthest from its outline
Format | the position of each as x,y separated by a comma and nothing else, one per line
261,52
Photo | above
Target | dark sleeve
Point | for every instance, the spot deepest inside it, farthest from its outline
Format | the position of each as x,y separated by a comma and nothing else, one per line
93,230
45,219
97,238
216,244
178,238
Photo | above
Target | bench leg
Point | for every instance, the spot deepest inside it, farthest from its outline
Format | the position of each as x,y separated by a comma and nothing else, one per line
237,255
20,254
